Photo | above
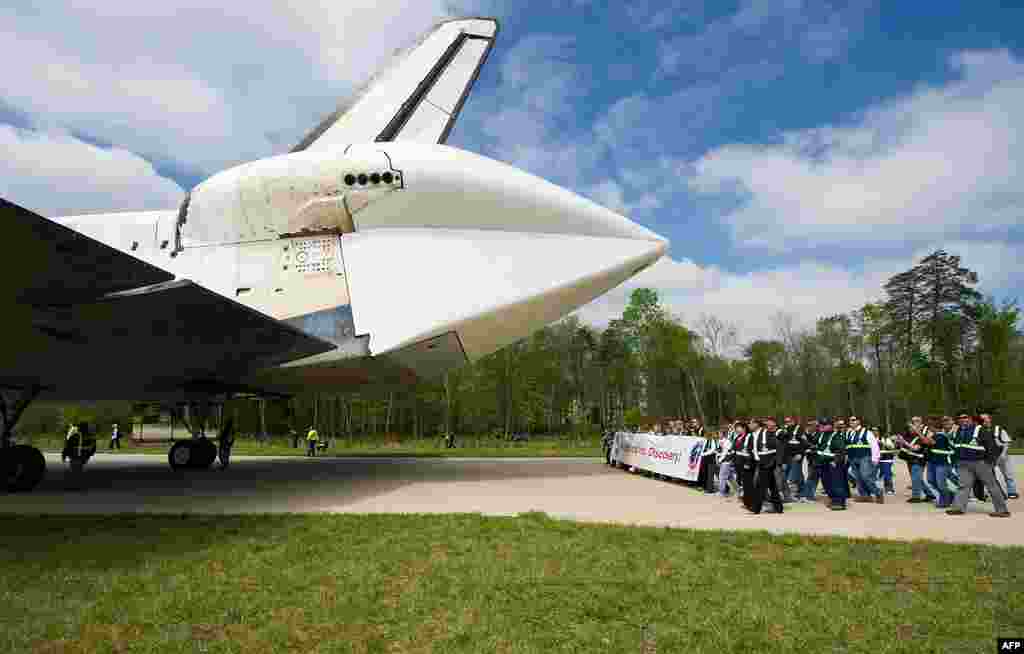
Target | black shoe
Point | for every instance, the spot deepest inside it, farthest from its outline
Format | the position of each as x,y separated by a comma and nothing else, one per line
1013,496
1000,514
914,500
954,512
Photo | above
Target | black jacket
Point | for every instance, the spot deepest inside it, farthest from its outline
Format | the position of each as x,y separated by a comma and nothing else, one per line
987,439
795,441
771,442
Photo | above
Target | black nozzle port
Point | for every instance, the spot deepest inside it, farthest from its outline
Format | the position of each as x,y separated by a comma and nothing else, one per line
362,180
350,179
387,178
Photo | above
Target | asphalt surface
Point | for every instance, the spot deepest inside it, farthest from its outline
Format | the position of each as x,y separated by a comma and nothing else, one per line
572,488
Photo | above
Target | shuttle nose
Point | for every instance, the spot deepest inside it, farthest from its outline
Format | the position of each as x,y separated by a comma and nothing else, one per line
482,250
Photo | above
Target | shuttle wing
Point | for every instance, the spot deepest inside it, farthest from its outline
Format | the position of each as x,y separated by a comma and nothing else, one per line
418,96
86,321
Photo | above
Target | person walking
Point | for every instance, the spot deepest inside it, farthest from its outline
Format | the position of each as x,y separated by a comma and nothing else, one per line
814,467
766,457
72,433
312,437
796,445
911,451
863,454
977,452
938,460
709,463
886,455
726,457
744,461
832,453
115,438
1004,464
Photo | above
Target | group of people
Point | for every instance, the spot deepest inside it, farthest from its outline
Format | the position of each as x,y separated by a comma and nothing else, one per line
947,461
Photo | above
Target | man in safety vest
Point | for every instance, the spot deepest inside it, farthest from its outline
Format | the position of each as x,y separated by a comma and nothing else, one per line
708,463
912,451
311,440
863,453
831,452
767,454
977,452
1003,463
796,445
938,462
743,451
809,488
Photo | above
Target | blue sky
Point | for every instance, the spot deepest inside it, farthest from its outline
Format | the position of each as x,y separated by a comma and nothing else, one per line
795,153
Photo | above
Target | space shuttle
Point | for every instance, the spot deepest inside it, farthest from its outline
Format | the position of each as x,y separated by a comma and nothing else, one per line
371,252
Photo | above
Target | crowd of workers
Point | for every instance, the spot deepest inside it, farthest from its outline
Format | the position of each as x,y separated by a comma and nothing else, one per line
947,460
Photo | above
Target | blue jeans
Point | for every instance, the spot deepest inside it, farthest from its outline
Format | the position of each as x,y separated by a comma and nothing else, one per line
726,473
917,486
937,474
810,486
864,473
1005,466
884,473
795,473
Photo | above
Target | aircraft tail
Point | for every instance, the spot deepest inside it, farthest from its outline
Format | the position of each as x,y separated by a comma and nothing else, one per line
418,95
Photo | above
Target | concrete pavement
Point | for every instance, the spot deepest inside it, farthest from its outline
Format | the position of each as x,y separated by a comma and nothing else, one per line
576,489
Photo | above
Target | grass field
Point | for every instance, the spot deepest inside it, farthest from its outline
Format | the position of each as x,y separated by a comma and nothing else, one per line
467,446
466,583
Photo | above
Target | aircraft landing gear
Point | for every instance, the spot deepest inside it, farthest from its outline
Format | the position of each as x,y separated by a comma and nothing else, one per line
22,467
200,452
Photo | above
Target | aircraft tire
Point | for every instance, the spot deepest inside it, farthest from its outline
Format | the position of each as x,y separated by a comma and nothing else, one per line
181,455
24,467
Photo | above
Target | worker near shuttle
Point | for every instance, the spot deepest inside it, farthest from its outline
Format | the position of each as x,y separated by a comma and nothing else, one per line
767,460
1003,462
708,464
863,454
744,450
814,432
795,444
831,452
977,452
311,440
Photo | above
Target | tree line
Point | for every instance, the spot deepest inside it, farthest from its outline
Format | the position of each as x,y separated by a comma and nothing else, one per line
932,346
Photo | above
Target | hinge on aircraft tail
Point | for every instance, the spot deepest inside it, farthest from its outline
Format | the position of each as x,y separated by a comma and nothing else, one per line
182,219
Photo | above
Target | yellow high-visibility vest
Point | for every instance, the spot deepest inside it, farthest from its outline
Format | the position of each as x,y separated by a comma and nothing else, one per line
312,435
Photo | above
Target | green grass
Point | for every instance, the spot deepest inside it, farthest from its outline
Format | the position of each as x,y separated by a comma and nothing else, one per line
467,446
466,583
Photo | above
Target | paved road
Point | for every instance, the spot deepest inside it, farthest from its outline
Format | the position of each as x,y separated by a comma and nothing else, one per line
578,489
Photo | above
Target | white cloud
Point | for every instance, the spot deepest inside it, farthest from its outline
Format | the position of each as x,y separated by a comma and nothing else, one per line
55,174
806,289
195,86
937,164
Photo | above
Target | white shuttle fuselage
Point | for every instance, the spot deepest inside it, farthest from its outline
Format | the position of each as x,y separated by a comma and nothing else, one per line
423,253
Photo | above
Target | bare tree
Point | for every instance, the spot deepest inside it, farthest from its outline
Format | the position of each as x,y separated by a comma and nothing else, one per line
720,337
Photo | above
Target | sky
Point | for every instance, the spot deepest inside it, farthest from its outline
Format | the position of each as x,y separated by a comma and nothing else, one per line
795,153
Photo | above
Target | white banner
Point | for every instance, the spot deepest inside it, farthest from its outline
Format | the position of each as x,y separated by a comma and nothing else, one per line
670,455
